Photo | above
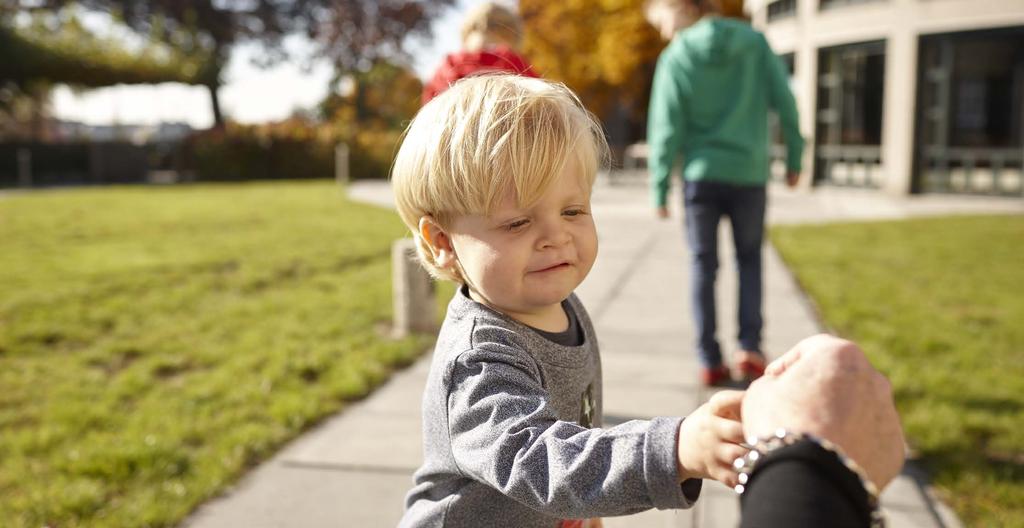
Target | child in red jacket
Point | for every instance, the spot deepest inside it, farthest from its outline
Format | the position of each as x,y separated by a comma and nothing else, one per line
490,35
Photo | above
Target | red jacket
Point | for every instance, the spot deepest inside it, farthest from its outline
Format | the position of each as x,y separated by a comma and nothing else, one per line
466,63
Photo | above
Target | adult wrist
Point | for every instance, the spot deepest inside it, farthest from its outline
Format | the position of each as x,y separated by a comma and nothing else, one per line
820,454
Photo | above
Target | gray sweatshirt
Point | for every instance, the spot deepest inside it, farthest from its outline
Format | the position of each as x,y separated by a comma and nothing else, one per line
512,436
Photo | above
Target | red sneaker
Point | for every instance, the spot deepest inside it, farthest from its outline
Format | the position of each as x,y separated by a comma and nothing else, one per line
715,376
750,365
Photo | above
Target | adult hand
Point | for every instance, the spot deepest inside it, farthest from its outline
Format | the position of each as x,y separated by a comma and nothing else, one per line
663,212
792,178
826,387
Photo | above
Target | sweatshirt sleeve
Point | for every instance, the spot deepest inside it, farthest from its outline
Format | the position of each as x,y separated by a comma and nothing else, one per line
804,485
504,434
666,125
781,100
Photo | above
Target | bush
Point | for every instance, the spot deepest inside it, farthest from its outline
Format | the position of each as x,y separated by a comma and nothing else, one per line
258,153
293,149
372,153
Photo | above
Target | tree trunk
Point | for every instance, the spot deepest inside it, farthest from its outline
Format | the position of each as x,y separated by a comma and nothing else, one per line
210,77
40,113
218,118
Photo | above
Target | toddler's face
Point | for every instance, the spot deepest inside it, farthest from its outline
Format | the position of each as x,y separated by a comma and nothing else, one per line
525,262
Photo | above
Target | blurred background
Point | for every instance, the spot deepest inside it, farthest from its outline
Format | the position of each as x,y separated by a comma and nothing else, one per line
183,91
184,288
904,96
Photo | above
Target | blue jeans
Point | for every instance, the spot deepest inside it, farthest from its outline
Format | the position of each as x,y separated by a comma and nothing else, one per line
705,203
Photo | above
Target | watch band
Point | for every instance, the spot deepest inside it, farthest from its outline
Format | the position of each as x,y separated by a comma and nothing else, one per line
762,447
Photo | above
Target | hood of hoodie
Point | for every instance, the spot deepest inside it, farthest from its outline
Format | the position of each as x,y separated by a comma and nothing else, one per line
717,39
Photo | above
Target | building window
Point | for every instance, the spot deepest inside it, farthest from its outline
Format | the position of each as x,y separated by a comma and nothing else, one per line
829,4
848,141
970,112
781,9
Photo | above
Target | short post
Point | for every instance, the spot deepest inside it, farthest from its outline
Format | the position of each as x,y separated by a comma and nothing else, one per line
24,167
412,291
341,165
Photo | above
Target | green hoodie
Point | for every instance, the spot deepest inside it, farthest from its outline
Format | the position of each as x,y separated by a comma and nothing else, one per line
713,87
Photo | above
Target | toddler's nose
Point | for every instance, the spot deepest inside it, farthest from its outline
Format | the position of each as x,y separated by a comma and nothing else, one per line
555,234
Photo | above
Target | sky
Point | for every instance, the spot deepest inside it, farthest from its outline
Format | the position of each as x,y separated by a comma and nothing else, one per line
249,95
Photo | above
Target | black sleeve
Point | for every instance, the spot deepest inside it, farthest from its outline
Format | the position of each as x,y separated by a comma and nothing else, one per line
804,485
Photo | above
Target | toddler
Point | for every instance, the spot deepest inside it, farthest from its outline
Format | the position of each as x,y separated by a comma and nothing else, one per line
494,178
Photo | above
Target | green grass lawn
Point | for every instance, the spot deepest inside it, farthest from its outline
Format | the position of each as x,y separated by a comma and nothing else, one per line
156,342
938,305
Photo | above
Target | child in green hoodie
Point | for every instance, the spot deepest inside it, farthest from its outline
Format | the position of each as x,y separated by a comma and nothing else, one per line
713,87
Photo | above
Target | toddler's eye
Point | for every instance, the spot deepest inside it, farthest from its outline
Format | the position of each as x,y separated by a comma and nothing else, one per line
516,225
574,212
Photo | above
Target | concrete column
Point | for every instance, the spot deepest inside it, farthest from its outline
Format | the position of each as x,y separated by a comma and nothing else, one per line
415,309
341,164
806,86
898,106
758,11
24,167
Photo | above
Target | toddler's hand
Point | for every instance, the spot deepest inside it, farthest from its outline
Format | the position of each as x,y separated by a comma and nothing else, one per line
709,439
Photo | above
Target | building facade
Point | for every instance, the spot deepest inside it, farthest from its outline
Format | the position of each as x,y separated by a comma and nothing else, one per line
906,96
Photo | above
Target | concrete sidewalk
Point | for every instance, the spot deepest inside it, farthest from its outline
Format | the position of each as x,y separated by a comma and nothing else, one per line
354,469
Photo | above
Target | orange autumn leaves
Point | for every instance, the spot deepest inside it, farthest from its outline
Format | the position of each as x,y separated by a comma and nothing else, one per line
602,49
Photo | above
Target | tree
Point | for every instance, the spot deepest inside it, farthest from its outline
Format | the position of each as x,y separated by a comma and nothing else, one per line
352,34
74,56
48,51
369,113
356,34
602,49
386,96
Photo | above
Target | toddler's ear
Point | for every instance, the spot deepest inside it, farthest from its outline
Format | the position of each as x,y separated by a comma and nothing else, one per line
438,240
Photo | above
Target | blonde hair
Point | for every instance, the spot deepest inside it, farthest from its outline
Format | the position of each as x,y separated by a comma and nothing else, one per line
483,137
489,23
